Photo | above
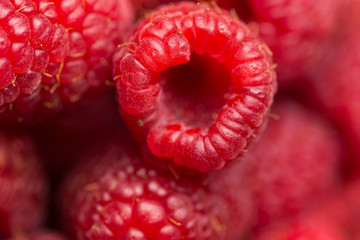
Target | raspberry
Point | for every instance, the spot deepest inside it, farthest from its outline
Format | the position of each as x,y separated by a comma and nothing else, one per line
52,51
115,196
295,164
22,185
337,218
336,85
39,235
297,32
177,34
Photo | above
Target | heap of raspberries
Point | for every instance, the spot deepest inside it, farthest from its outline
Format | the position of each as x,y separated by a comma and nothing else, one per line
179,120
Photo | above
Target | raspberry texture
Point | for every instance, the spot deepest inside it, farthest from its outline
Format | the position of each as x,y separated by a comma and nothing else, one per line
173,35
295,164
56,50
297,31
115,196
22,185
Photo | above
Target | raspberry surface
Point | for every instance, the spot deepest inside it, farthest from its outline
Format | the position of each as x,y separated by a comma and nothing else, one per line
176,34
115,196
336,218
53,51
295,165
297,31
22,185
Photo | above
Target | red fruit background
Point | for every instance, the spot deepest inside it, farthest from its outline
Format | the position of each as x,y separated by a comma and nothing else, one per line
73,168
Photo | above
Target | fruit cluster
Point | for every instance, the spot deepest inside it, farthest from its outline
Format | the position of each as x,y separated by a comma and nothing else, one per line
179,120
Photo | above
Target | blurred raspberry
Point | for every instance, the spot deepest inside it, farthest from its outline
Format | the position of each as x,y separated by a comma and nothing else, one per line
22,185
298,32
335,89
295,164
337,218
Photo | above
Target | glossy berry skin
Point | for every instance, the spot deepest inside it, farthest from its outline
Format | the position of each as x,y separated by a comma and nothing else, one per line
56,51
295,164
22,185
298,33
168,37
115,196
39,235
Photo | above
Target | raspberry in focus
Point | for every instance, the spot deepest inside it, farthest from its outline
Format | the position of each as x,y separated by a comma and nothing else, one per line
177,34
55,51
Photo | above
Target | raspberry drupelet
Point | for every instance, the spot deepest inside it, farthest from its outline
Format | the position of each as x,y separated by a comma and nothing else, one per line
189,127
23,185
113,195
55,51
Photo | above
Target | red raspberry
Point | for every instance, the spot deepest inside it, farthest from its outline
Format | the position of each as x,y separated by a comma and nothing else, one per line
203,123
336,86
22,185
52,51
115,196
337,218
294,165
39,235
297,32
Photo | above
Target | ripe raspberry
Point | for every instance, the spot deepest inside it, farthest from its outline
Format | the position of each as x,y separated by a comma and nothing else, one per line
294,165
297,31
39,235
337,218
203,123
52,51
336,86
115,196
22,185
